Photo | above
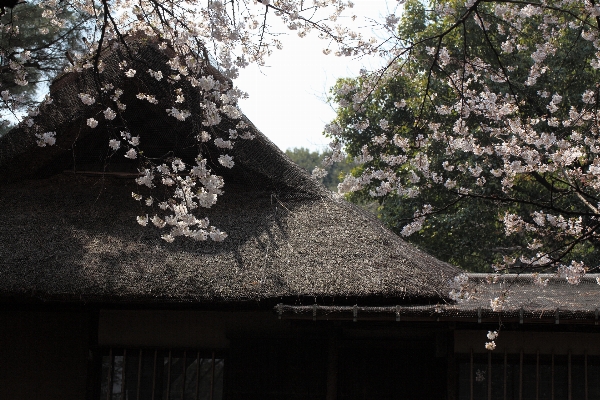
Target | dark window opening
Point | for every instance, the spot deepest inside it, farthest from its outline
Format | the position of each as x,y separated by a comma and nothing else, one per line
148,374
501,376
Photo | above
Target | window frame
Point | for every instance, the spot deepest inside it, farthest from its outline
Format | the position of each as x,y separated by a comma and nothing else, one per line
123,351
469,360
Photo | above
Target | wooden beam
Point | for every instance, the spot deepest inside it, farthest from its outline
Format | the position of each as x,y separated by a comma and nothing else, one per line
332,367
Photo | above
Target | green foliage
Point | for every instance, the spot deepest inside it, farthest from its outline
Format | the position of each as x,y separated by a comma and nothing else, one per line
47,42
310,159
4,129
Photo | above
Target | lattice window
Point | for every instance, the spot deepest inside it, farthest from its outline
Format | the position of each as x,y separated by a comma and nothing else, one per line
150,374
502,376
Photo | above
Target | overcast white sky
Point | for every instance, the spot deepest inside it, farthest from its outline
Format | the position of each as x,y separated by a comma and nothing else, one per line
287,97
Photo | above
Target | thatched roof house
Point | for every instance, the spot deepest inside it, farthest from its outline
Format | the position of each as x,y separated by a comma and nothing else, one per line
86,287
309,297
68,223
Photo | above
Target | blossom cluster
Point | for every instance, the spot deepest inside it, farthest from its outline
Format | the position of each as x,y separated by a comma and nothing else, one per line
491,345
192,186
199,188
195,37
459,288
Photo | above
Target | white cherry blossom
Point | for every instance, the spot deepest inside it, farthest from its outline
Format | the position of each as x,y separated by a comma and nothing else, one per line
92,122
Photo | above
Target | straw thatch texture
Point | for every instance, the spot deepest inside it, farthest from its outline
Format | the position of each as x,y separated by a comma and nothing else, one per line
73,236
524,296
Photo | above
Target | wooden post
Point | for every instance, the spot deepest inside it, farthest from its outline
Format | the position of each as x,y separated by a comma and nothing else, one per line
552,375
332,367
505,367
537,375
94,364
109,385
139,375
452,367
123,375
489,375
471,377
569,375
585,371
521,375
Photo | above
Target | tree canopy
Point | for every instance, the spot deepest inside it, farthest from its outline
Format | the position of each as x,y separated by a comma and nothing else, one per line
480,134
34,47
330,175
463,228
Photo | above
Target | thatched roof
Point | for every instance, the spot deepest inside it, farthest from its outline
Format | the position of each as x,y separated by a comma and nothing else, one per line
525,301
523,293
72,236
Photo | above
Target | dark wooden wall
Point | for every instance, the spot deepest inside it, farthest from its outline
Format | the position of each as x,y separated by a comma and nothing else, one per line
276,369
343,362
386,370
44,354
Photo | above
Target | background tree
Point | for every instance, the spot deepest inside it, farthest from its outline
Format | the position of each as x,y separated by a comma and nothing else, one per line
309,159
33,51
437,130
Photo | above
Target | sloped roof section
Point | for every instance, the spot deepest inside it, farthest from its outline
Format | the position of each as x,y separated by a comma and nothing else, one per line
523,295
81,148
555,301
68,231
